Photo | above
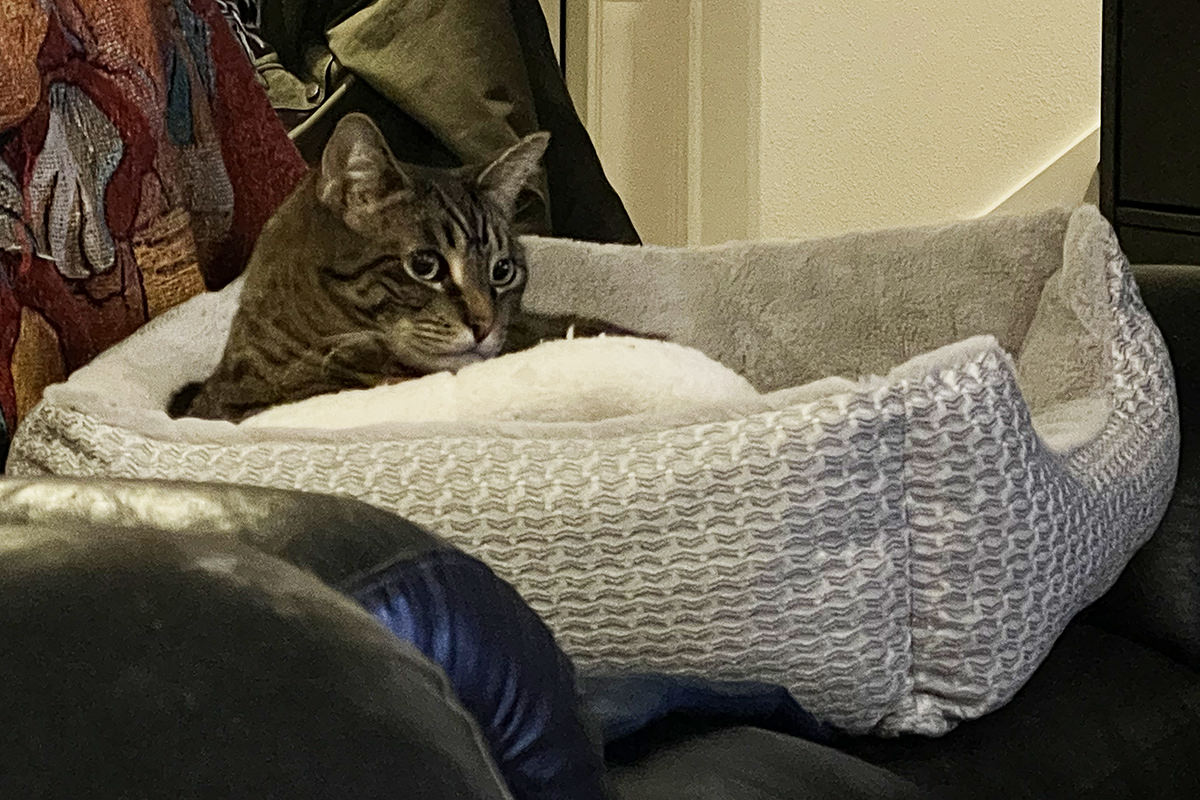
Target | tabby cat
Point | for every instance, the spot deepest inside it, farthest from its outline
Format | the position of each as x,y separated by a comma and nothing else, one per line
374,271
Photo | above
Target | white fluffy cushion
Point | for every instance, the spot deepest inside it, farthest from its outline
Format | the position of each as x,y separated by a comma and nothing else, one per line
575,380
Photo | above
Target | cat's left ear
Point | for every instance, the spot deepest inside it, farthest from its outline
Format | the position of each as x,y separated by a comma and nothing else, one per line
507,175
357,170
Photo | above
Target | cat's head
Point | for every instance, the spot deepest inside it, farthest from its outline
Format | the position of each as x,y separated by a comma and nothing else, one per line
437,269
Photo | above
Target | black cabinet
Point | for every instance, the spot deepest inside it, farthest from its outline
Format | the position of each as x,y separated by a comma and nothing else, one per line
1150,127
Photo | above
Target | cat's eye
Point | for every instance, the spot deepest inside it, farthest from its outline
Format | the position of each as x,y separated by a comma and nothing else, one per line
427,265
504,272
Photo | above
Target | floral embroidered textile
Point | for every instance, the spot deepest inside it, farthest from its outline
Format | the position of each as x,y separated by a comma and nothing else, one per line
139,158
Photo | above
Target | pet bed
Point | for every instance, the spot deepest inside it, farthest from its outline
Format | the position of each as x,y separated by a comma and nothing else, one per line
900,550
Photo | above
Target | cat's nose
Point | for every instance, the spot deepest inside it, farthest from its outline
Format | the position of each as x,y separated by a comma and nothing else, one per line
481,329
478,312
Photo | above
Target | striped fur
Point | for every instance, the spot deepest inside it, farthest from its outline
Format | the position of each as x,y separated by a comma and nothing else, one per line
373,271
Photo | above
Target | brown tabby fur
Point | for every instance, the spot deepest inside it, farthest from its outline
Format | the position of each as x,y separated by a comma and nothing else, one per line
328,303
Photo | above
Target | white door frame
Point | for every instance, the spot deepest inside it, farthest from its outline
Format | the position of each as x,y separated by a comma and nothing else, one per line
715,137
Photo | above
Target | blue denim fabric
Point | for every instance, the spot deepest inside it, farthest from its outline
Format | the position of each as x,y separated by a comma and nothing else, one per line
511,675
502,661
623,705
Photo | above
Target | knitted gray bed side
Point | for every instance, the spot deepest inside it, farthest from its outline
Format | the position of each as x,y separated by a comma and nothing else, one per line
900,557
1009,540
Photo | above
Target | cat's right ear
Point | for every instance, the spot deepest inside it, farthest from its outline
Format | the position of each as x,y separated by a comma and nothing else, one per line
357,170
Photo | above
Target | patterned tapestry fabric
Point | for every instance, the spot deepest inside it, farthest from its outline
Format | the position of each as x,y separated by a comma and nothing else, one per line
138,160
900,551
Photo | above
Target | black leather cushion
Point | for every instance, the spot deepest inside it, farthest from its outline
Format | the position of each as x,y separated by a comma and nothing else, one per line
1103,717
138,663
502,661
751,764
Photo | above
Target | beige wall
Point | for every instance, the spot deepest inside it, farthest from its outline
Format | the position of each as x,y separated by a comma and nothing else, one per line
881,113
722,119
552,9
632,91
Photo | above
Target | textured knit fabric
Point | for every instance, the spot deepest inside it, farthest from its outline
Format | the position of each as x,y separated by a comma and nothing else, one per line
138,160
900,551
1157,599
